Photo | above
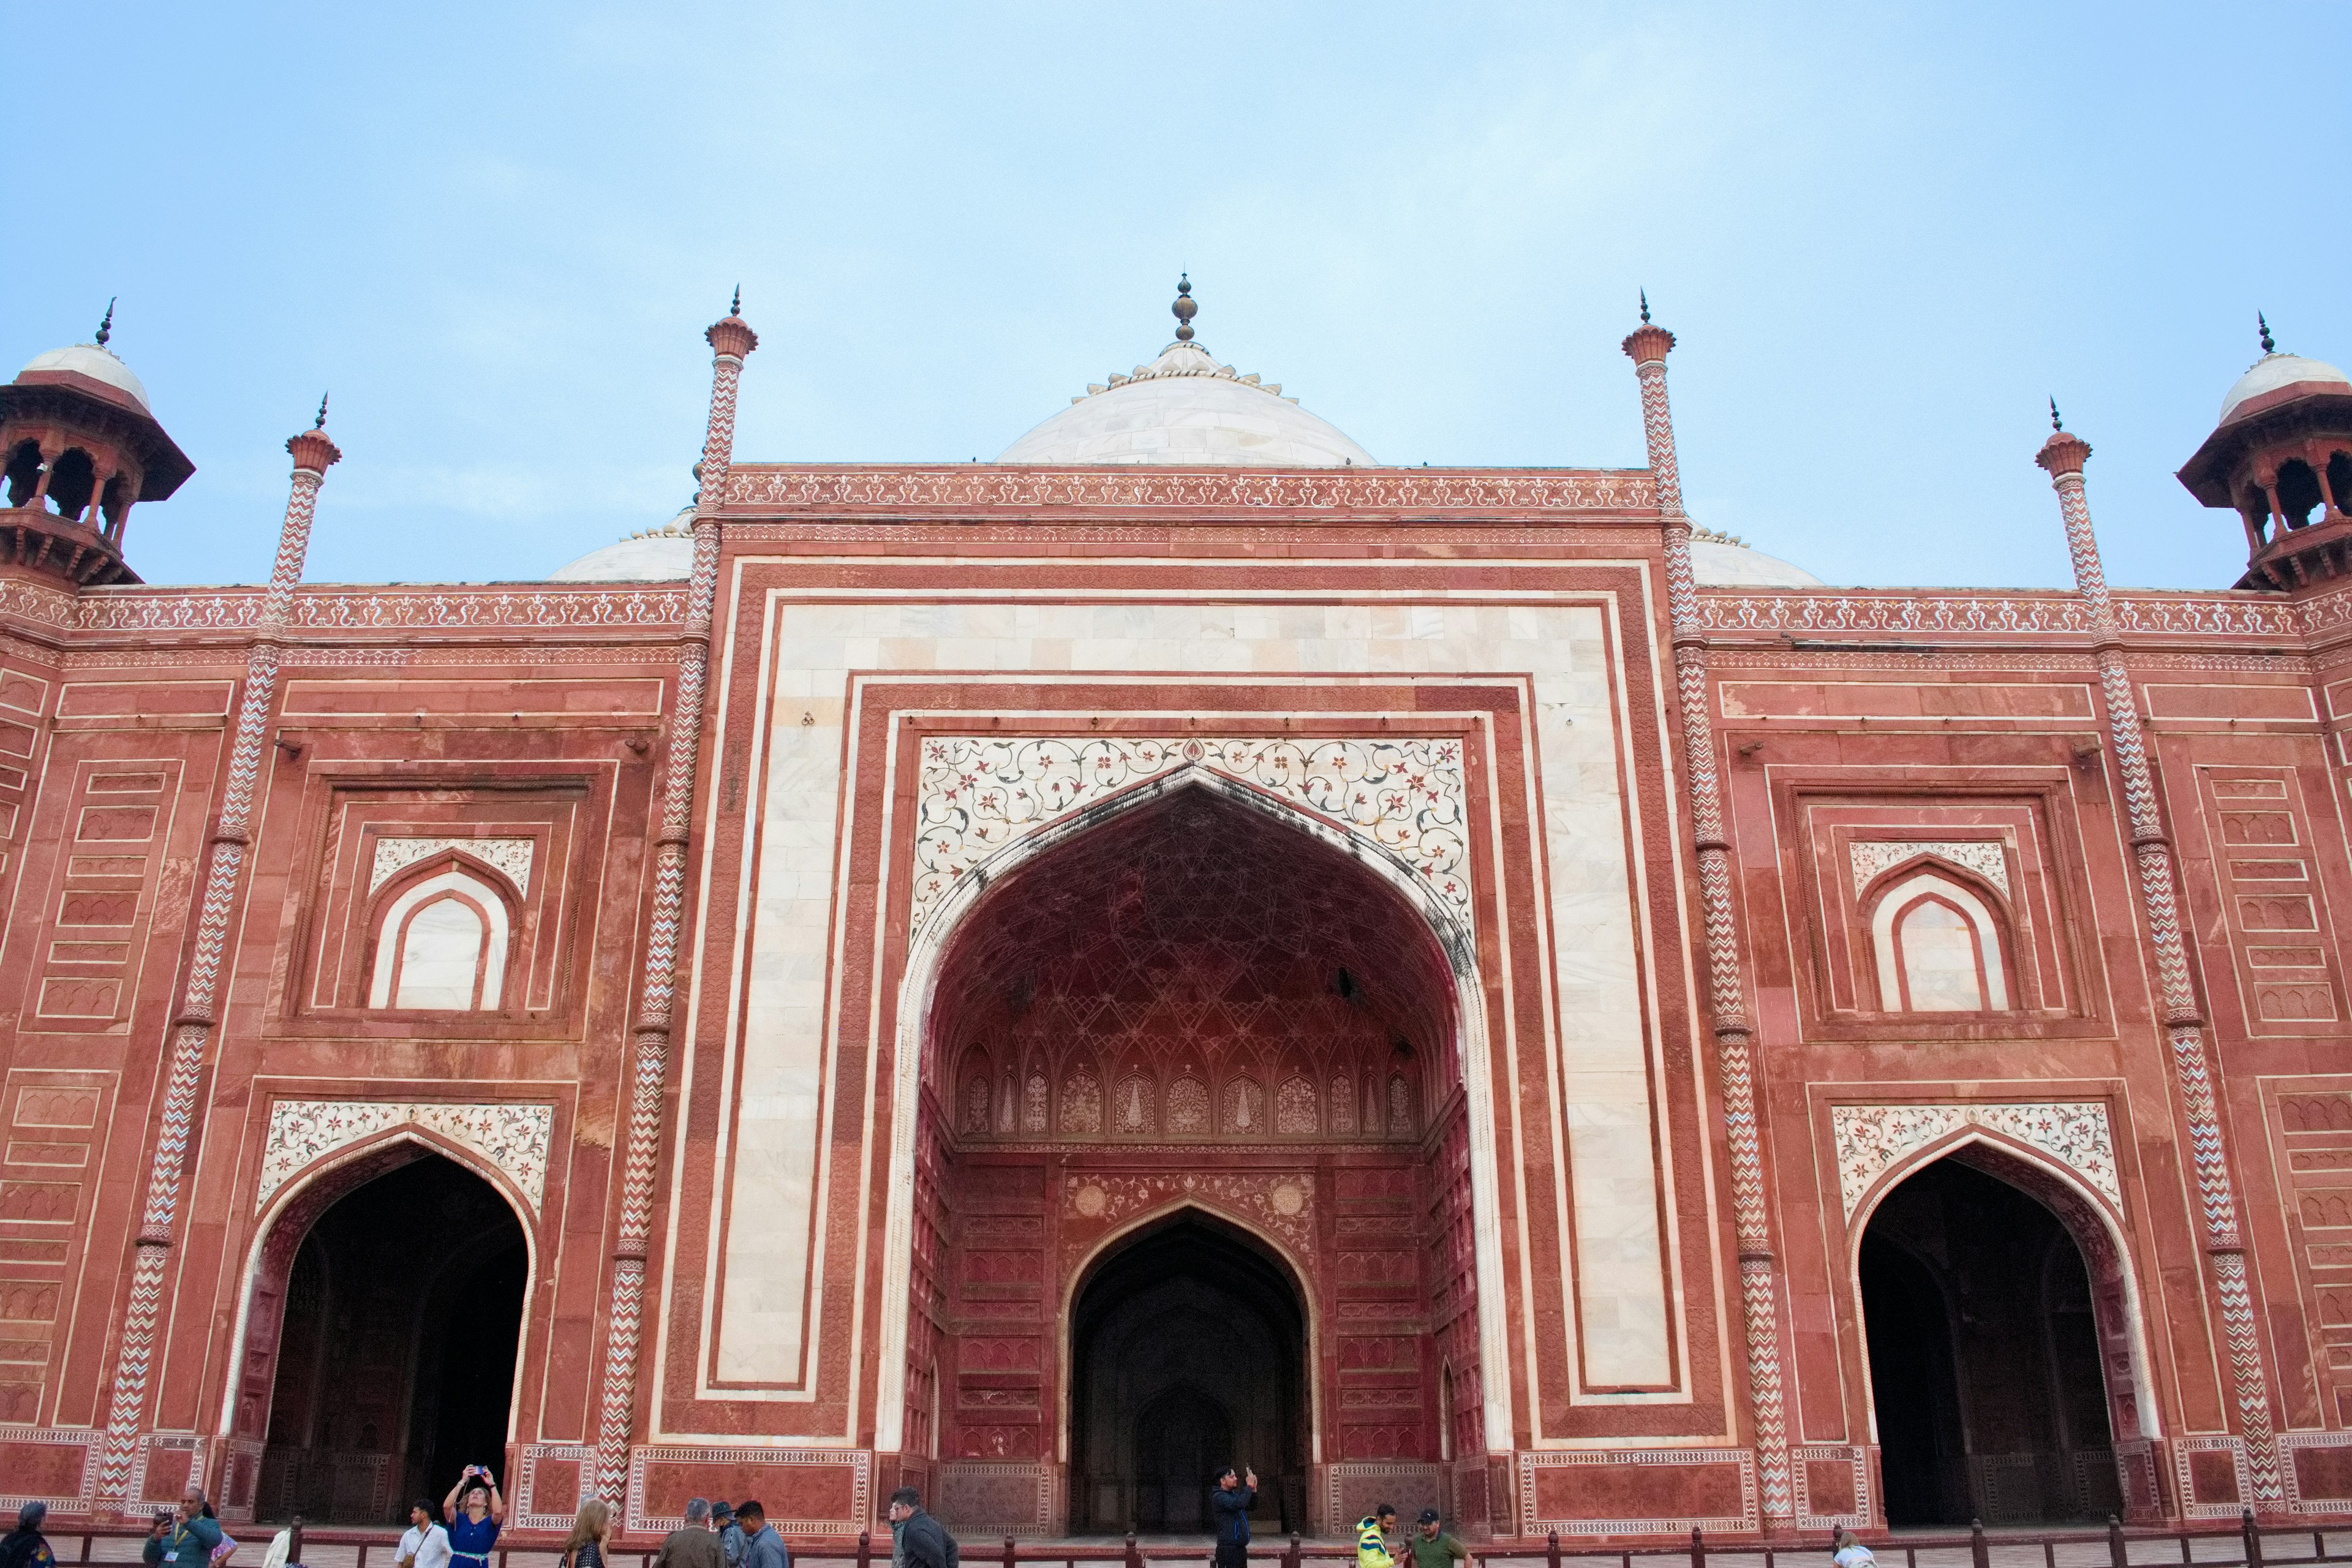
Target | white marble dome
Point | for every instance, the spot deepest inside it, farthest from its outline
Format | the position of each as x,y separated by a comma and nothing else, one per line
1719,561
1186,409
664,554
2273,372
90,360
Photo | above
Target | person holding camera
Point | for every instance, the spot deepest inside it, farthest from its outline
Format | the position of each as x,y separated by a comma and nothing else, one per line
1230,1502
186,1539
475,1510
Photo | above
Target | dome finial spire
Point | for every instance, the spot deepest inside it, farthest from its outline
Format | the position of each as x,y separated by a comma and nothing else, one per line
1185,308
320,422
2268,347
735,308
1645,307
106,327
2054,423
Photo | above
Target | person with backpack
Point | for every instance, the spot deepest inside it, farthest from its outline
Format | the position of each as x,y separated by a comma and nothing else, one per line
1372,1537
584,1547
917,1540
26,1546
1230,1503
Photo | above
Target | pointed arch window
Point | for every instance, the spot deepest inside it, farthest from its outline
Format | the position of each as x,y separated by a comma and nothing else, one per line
441,944
1938,945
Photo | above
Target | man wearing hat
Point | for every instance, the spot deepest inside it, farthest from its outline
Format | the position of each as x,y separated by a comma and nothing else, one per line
1433,1548
731,1534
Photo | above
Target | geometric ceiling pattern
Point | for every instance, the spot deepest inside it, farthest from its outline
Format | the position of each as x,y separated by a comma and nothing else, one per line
1191,970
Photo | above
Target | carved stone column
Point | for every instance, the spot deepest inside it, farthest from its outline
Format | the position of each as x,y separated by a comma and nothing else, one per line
732,340
2063,456
1648,346
193,1020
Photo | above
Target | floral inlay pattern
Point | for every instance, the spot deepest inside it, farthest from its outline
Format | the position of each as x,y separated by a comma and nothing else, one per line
1280,1204
1870,1138
513,1137
1986,856
980,793
510,857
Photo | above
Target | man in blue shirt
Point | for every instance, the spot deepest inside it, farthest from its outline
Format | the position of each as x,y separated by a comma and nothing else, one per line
1231,1504
762,1547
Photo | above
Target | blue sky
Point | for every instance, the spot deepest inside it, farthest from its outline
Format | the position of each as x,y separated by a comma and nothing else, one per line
1883,234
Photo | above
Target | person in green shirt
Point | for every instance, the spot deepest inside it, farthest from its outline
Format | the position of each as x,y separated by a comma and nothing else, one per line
1432,1548
185,1541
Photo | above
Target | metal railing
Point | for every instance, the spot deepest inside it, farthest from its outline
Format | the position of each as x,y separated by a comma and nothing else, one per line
2249,1545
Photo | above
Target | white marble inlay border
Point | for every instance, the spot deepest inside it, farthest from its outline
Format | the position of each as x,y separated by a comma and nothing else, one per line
1870,1138
513,1137
510,857
978,794
1986,856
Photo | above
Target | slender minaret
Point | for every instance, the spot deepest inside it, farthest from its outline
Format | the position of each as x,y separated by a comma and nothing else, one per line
1648,345
192,1021
2063,456
731,339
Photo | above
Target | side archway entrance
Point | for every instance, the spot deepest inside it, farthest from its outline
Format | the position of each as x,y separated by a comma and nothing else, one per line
1985,1344
395,1355
1188,1353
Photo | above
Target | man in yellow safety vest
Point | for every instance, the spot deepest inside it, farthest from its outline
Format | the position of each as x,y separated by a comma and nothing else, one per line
1371,1537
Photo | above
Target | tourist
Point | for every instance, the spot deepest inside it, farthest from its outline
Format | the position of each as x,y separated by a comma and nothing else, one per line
1433,1548
762,1547
475,1510
1230,1503
186,1540
425,1544
26,1546
227,1547
692,1545
1371,1537
584,1547
731,1534
1851,1554
917,1540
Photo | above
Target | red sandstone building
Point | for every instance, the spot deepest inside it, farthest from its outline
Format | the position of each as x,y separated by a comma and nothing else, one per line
1035,978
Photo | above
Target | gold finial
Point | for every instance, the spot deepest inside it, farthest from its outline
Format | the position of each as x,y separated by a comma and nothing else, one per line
1185,308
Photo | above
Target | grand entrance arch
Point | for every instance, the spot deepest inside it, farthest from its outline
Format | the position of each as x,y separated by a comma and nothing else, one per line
1188,1351
1987,1350
1194,1016
396,1293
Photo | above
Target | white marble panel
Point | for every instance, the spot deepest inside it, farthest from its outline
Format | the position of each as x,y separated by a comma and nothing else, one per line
1606,1086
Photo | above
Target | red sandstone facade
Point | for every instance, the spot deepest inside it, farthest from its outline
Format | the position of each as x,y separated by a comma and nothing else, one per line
876,997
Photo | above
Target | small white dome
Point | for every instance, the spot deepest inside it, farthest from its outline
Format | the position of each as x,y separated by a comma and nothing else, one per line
1723,563
98,364
2274,371
664,554
1186,409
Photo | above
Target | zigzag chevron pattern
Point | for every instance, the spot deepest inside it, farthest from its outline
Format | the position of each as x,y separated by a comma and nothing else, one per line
624,1319
1759,1296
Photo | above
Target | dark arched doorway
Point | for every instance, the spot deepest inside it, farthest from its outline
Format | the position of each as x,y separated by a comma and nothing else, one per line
396,1357
1188,1351
1984,1357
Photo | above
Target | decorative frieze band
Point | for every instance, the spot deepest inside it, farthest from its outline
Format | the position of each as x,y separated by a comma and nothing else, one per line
1869,1139
513,1137
963,488
1895,611
979,795
553,606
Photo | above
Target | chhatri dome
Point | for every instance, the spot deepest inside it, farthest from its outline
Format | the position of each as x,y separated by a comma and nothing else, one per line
2277,378
1183,409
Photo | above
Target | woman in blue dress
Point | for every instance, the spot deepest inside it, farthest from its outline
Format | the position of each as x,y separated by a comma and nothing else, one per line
475,1510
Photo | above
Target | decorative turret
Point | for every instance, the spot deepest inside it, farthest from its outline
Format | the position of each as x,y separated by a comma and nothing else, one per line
81,446
2281,458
